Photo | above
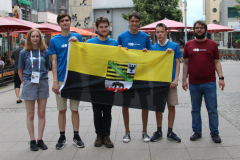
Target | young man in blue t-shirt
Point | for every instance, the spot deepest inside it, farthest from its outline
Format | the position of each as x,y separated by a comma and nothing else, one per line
164,44
58,49
134,39
102,112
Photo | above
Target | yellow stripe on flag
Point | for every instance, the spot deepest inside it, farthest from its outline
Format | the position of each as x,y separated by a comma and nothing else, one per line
92,59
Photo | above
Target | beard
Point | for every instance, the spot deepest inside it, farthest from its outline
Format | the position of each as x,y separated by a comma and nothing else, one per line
201,36
103,35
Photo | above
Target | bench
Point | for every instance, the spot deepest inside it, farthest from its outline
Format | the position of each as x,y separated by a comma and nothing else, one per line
229,56
7,74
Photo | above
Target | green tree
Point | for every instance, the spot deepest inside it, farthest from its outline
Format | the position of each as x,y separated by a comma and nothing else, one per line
237,7
155,10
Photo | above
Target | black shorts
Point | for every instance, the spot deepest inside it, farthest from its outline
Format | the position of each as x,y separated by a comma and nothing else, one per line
17,81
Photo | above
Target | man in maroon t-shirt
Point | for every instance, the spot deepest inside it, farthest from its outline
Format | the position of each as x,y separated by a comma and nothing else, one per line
201,59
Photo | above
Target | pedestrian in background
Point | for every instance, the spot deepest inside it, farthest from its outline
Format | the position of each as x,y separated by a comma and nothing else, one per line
14,61
33,68
1,62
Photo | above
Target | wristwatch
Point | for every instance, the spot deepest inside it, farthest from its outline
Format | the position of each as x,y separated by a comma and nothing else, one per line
221,78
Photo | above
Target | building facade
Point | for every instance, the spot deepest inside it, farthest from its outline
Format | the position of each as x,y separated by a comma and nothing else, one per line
82,14
5,8
46,11
212,11
112,9
228,14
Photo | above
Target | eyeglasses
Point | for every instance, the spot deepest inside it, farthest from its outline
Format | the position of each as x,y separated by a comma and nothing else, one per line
197,28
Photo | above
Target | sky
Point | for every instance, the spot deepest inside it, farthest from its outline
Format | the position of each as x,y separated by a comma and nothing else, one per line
194,11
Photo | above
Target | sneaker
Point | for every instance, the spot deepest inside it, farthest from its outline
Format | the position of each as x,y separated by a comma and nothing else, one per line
172,136
216,138
42,145
195,136
145,137
107,141
126,138
61,142
33,146
78,142
156,136
99,141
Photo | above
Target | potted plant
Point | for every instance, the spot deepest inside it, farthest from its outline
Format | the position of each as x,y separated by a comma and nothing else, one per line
234,43
237,43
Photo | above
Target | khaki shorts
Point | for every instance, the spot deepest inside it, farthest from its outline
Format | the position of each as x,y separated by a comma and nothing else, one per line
62,102
172,99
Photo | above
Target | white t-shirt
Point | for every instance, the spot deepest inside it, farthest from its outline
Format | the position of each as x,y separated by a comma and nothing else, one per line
1,63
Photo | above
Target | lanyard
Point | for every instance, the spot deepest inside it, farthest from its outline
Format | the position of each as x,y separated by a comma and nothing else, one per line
31,57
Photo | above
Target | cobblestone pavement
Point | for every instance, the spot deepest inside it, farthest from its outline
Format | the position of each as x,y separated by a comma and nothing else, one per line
229,99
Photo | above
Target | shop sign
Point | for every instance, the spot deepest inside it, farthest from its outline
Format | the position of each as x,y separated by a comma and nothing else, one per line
26,2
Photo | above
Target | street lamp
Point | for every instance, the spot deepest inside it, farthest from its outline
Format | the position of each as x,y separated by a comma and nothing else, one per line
185,10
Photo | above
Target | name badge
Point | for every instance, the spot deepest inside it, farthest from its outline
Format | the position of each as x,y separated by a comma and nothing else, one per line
35,77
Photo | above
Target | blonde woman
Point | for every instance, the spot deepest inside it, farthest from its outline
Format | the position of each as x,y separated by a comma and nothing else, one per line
33,68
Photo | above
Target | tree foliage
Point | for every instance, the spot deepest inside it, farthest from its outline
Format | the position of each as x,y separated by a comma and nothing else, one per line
237,7
155,10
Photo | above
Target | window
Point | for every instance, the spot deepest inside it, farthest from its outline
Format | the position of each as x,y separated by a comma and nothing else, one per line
214,10
34,4
232,12
42,6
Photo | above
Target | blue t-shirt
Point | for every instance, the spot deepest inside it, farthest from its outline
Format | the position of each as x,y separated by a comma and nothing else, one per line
177,53
25,63
134,41
59,45
109,41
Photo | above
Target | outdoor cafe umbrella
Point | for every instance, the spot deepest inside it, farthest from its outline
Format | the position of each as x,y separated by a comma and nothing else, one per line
42,28
214,28
153,30
171,25
72,29
8,26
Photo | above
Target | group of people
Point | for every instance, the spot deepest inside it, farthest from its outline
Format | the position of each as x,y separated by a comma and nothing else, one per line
201,59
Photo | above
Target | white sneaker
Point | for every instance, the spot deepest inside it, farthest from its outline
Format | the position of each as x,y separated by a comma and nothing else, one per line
145,137
126,138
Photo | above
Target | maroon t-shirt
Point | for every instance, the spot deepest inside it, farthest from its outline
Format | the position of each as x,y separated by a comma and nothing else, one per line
201,56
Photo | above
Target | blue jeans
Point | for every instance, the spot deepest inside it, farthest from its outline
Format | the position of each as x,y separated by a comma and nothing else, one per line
208,90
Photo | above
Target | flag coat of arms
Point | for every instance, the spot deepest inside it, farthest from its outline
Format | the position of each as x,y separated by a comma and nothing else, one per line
116,76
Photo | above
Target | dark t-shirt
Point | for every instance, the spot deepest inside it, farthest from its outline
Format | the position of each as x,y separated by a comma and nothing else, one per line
201,56
15,57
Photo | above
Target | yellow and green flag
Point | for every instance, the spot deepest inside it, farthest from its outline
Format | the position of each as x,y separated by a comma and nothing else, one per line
117,76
